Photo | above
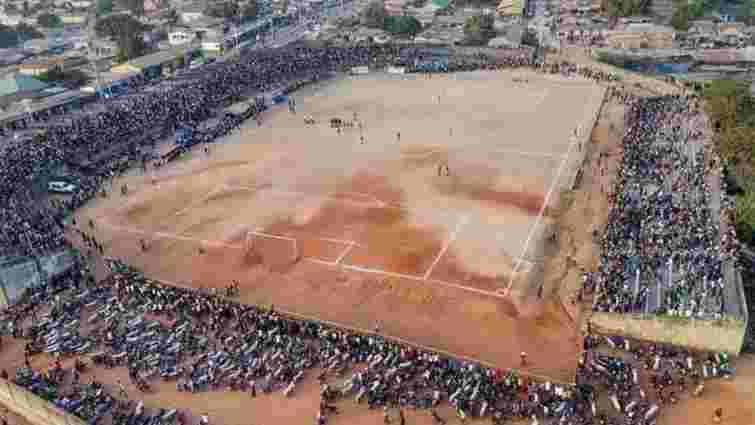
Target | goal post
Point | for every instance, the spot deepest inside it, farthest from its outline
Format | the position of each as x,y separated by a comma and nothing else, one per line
270,249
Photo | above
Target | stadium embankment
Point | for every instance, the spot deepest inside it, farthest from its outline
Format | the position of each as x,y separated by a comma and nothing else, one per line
33,408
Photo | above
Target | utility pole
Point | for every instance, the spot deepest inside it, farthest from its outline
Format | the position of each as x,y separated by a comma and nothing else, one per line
92,53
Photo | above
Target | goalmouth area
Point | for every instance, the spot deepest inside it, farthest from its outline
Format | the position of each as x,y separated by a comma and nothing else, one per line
429,214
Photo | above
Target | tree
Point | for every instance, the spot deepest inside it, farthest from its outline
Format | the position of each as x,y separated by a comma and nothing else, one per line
627,7
746,8
373,16
127,32
404,25
104,7
71,78
478,29
680,17
48,20
744,215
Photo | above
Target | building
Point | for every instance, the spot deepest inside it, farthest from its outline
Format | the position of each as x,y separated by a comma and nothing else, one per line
641,36
395,7
157,64
36,66
181,36
191,12
16,86
10,20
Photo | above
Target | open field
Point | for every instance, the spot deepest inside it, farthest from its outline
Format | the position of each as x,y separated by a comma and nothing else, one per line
328,225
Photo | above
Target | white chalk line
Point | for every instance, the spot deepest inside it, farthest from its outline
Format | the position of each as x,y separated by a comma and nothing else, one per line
545,204
365,331
345,252
451,238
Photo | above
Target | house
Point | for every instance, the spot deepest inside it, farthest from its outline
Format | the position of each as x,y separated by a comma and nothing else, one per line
73,18
510,8
731,28
10,20
155,64
641,36
39,65
15,87
181,36
395,7
191,12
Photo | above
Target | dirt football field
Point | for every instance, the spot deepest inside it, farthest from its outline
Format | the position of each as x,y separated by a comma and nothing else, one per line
418,213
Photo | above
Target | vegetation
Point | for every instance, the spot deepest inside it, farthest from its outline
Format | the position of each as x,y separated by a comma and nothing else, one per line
373,16
731,107
104,7
127,32
403,25
622,8
48,20
72,78
680,18
478,29
746,8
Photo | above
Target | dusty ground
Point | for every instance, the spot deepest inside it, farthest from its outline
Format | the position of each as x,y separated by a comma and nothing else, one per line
379,233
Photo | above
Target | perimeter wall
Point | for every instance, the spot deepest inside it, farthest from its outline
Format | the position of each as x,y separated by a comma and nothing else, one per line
724,335
32,407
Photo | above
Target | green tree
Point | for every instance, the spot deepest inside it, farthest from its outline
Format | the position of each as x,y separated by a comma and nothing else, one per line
746,8
404,25
48,20
104,7
373,16
478,29
621,8
127,32
744,215
680,18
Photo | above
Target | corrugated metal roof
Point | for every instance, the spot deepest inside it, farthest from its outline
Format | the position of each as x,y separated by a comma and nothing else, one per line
14,83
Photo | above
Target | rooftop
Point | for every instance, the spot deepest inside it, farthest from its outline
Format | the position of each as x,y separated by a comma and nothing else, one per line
11,84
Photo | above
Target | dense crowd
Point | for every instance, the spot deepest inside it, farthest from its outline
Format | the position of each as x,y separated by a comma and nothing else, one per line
204,341
662,250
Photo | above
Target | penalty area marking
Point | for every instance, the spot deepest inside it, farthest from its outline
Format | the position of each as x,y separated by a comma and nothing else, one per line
451,238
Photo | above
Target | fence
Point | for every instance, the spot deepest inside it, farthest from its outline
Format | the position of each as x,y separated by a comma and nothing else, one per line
33,408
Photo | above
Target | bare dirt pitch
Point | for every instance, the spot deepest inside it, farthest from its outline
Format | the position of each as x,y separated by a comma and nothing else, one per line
366,224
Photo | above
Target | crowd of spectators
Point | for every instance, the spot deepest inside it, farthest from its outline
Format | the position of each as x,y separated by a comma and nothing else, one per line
204,341
663,250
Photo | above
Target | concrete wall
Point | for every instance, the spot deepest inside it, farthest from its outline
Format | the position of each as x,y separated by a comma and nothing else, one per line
708,335
34,409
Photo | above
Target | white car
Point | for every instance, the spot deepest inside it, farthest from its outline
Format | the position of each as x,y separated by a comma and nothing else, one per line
61,187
